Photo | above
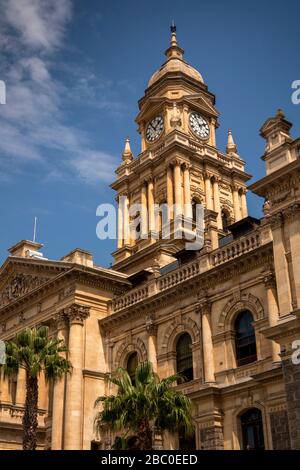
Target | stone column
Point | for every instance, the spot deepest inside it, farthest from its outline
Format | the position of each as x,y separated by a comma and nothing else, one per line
244,203
178,188
126,221
59,389
144,211
151,213
281,267
170,191
74,391
270,285
120,224
292,387
292,218
207,184
188,214
236,203
217,208
208,352
152,344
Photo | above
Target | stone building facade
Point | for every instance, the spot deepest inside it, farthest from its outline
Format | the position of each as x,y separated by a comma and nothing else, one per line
225,315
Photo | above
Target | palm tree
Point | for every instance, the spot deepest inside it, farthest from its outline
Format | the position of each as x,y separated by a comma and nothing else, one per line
33,351
143,404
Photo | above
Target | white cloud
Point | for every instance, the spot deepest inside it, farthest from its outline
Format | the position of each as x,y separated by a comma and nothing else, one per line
33,123
41,23
95,166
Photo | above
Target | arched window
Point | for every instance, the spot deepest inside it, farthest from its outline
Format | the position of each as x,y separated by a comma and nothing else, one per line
252,430
194,210
184,357
225,220
132,364
245,342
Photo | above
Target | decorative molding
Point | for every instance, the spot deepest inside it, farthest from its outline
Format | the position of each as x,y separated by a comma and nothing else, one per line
77,313
262,256
204,306
175,328
128,346
270,280
60,320
151,327
20,285
291,212
234,305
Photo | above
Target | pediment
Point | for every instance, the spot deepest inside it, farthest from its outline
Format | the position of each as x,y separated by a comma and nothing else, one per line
18,278
275,122
19,285
198,101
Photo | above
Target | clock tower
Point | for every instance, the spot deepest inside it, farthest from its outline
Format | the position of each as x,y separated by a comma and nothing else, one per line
179,167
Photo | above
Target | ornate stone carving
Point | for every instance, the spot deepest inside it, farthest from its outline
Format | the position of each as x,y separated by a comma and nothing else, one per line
20,285
161,195
128,346
60,320
276,220
177,327
151,327
196,193
77,313
204,306
175,120
270,280
292,211
21,317
234,305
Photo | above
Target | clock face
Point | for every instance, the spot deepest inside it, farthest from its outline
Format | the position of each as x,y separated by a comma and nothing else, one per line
154,129
199,125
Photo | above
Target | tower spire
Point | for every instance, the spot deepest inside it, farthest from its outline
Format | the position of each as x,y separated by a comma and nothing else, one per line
127,154
173,34
174,50
231,146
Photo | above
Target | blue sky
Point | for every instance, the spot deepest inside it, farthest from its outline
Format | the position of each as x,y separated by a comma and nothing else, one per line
74,71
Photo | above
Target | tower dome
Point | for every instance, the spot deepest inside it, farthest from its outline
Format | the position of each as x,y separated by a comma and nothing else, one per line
175,63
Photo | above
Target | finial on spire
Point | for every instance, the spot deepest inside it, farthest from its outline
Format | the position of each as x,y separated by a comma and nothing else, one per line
231,146
280,113
174,51
127,154
173,32
173,27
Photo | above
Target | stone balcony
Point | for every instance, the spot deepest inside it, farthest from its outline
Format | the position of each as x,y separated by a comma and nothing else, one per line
209,260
